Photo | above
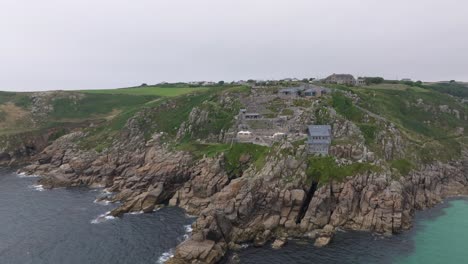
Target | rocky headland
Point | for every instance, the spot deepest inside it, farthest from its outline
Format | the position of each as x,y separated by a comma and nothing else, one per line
261,195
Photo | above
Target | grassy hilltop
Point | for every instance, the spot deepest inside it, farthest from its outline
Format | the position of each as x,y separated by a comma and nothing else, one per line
21,112
433,118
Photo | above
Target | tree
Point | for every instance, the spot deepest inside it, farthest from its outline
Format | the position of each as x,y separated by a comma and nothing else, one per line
221,83
373,80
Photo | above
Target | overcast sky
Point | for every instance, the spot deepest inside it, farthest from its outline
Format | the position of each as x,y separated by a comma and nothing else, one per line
75,44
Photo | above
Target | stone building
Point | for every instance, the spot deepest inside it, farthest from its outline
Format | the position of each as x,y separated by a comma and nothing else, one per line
315,91
361,81
319,139
252,116
347,79
244,115
289,93
302,91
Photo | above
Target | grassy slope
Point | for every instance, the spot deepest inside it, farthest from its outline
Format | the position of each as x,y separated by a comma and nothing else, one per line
77,108
455,89
166,115
401,106
160,90
433,132
168,106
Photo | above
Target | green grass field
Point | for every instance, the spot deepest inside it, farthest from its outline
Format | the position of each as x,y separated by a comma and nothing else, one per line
415,110
163,91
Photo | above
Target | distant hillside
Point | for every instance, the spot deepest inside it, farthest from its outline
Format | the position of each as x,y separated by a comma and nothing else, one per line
453,88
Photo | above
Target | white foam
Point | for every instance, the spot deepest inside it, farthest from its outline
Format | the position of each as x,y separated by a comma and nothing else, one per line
102,218
136,213
188,231
37,187
188,228
166,256
105,191
24,175
244,245
102,202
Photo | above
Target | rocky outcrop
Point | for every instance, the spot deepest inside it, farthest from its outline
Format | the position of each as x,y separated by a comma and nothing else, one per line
263,204
270,199
20,148
142,178
260,206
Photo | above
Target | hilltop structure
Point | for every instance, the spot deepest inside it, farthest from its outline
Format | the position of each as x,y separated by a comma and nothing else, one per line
319,139
347,79
303,91
361,81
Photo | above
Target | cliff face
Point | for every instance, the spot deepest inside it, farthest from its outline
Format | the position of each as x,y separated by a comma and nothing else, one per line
18,149
261,207
256,194
258,206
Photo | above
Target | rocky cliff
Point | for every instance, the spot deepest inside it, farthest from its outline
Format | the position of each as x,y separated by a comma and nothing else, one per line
263,204
256,195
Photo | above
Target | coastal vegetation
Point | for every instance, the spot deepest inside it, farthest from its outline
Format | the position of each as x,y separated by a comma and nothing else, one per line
182,148
428,115
431,118
325,169
156,90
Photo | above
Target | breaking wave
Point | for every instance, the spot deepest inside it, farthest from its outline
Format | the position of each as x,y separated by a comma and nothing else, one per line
37,187
102,218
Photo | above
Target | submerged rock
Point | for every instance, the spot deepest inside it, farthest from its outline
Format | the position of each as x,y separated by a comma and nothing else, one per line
279,243
324,236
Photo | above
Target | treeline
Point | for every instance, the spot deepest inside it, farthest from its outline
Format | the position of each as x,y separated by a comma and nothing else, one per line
452,88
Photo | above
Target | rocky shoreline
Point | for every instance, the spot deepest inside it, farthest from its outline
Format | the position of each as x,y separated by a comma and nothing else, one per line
259,206
243,193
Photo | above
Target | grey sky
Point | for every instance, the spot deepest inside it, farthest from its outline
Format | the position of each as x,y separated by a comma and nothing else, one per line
71,44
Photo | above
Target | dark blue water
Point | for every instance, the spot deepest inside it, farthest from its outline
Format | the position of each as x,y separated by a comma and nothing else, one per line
63,226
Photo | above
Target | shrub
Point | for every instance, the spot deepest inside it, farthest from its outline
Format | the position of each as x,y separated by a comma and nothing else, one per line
345,107
325,169
373,80
368,132
403,166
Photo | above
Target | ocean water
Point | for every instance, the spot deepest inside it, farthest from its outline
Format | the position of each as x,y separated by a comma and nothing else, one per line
443,238
64,226
439,236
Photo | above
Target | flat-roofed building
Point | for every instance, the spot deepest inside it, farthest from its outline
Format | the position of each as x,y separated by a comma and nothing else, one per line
252,116
289,93
347,79
319,139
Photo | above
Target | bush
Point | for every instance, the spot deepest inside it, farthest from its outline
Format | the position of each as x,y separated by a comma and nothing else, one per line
325,169
345,107
403,166
287,112
302,103
373,80
368,132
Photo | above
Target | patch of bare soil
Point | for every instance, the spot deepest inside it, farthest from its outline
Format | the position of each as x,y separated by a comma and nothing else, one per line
13,116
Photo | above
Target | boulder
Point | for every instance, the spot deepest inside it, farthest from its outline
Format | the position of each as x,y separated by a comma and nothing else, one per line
278,243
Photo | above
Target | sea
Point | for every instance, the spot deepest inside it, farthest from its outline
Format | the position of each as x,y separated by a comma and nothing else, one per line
71,225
